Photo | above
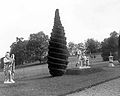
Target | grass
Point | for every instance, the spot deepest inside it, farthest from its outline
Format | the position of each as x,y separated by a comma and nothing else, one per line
36,80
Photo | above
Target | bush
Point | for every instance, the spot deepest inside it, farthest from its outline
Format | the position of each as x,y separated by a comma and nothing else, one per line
2,62
58,53
105,56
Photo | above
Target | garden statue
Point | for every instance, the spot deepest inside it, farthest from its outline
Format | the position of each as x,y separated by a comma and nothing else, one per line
83,60
13,66
111,61
8,62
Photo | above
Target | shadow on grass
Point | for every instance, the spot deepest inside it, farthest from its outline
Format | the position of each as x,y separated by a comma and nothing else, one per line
22,82
34,78
77,71
9,86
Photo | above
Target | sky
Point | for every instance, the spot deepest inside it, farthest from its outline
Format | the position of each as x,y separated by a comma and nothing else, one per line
82,19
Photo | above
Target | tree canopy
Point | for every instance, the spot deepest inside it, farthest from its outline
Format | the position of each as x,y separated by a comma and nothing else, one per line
30,50
37,45
92,46
110,45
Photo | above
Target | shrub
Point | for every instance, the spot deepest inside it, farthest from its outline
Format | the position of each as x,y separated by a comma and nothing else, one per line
58,53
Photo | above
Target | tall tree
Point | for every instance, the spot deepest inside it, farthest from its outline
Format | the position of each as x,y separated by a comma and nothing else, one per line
58,53
37,46
18,48
81,46
71,47
119,48
92,46
110,45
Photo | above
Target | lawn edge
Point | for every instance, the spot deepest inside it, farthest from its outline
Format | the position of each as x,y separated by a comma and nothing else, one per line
92,85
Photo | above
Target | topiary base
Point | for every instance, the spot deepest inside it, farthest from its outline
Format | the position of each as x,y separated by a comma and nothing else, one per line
56,72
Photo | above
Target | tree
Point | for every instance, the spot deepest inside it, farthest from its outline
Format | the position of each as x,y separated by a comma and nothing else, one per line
71,45
110,45
92,46
81,46
58,53
30,50
2,62
113,34
71,48
37,46
119,48
18,48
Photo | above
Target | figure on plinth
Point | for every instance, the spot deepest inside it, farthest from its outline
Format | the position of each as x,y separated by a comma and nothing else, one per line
79,57
111,61
8,64
13,66
83,60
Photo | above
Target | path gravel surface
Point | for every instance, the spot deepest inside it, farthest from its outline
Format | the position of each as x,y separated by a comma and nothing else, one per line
111,88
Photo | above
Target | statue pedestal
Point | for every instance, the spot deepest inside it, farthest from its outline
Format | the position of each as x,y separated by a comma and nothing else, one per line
84,63
84,67
111,61
111,65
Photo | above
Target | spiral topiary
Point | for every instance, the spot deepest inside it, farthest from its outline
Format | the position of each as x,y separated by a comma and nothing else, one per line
119,48
58,53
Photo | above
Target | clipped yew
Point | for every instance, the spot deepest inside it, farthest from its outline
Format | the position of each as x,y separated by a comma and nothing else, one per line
119,48
57,53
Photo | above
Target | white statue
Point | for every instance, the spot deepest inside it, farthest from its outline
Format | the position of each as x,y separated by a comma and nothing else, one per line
83,60
13,66
111,61
8,61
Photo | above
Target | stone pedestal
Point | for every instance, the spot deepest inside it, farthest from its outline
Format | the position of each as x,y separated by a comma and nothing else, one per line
84,63
111,61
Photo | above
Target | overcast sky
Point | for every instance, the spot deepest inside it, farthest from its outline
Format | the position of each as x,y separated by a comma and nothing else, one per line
81,19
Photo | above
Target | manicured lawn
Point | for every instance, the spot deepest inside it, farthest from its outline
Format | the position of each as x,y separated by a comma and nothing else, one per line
36,80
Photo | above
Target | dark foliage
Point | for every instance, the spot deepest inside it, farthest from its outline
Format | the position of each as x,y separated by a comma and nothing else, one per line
58,53
92,46
119,48
110,45
37,46
2,62
34,49
18,48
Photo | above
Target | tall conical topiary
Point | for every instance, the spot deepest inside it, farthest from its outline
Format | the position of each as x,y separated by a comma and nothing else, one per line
119,48
58,53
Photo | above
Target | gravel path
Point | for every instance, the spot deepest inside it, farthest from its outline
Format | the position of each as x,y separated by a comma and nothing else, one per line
111,88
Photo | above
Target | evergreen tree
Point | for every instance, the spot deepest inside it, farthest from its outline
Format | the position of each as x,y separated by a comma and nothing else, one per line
58,53
119,48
